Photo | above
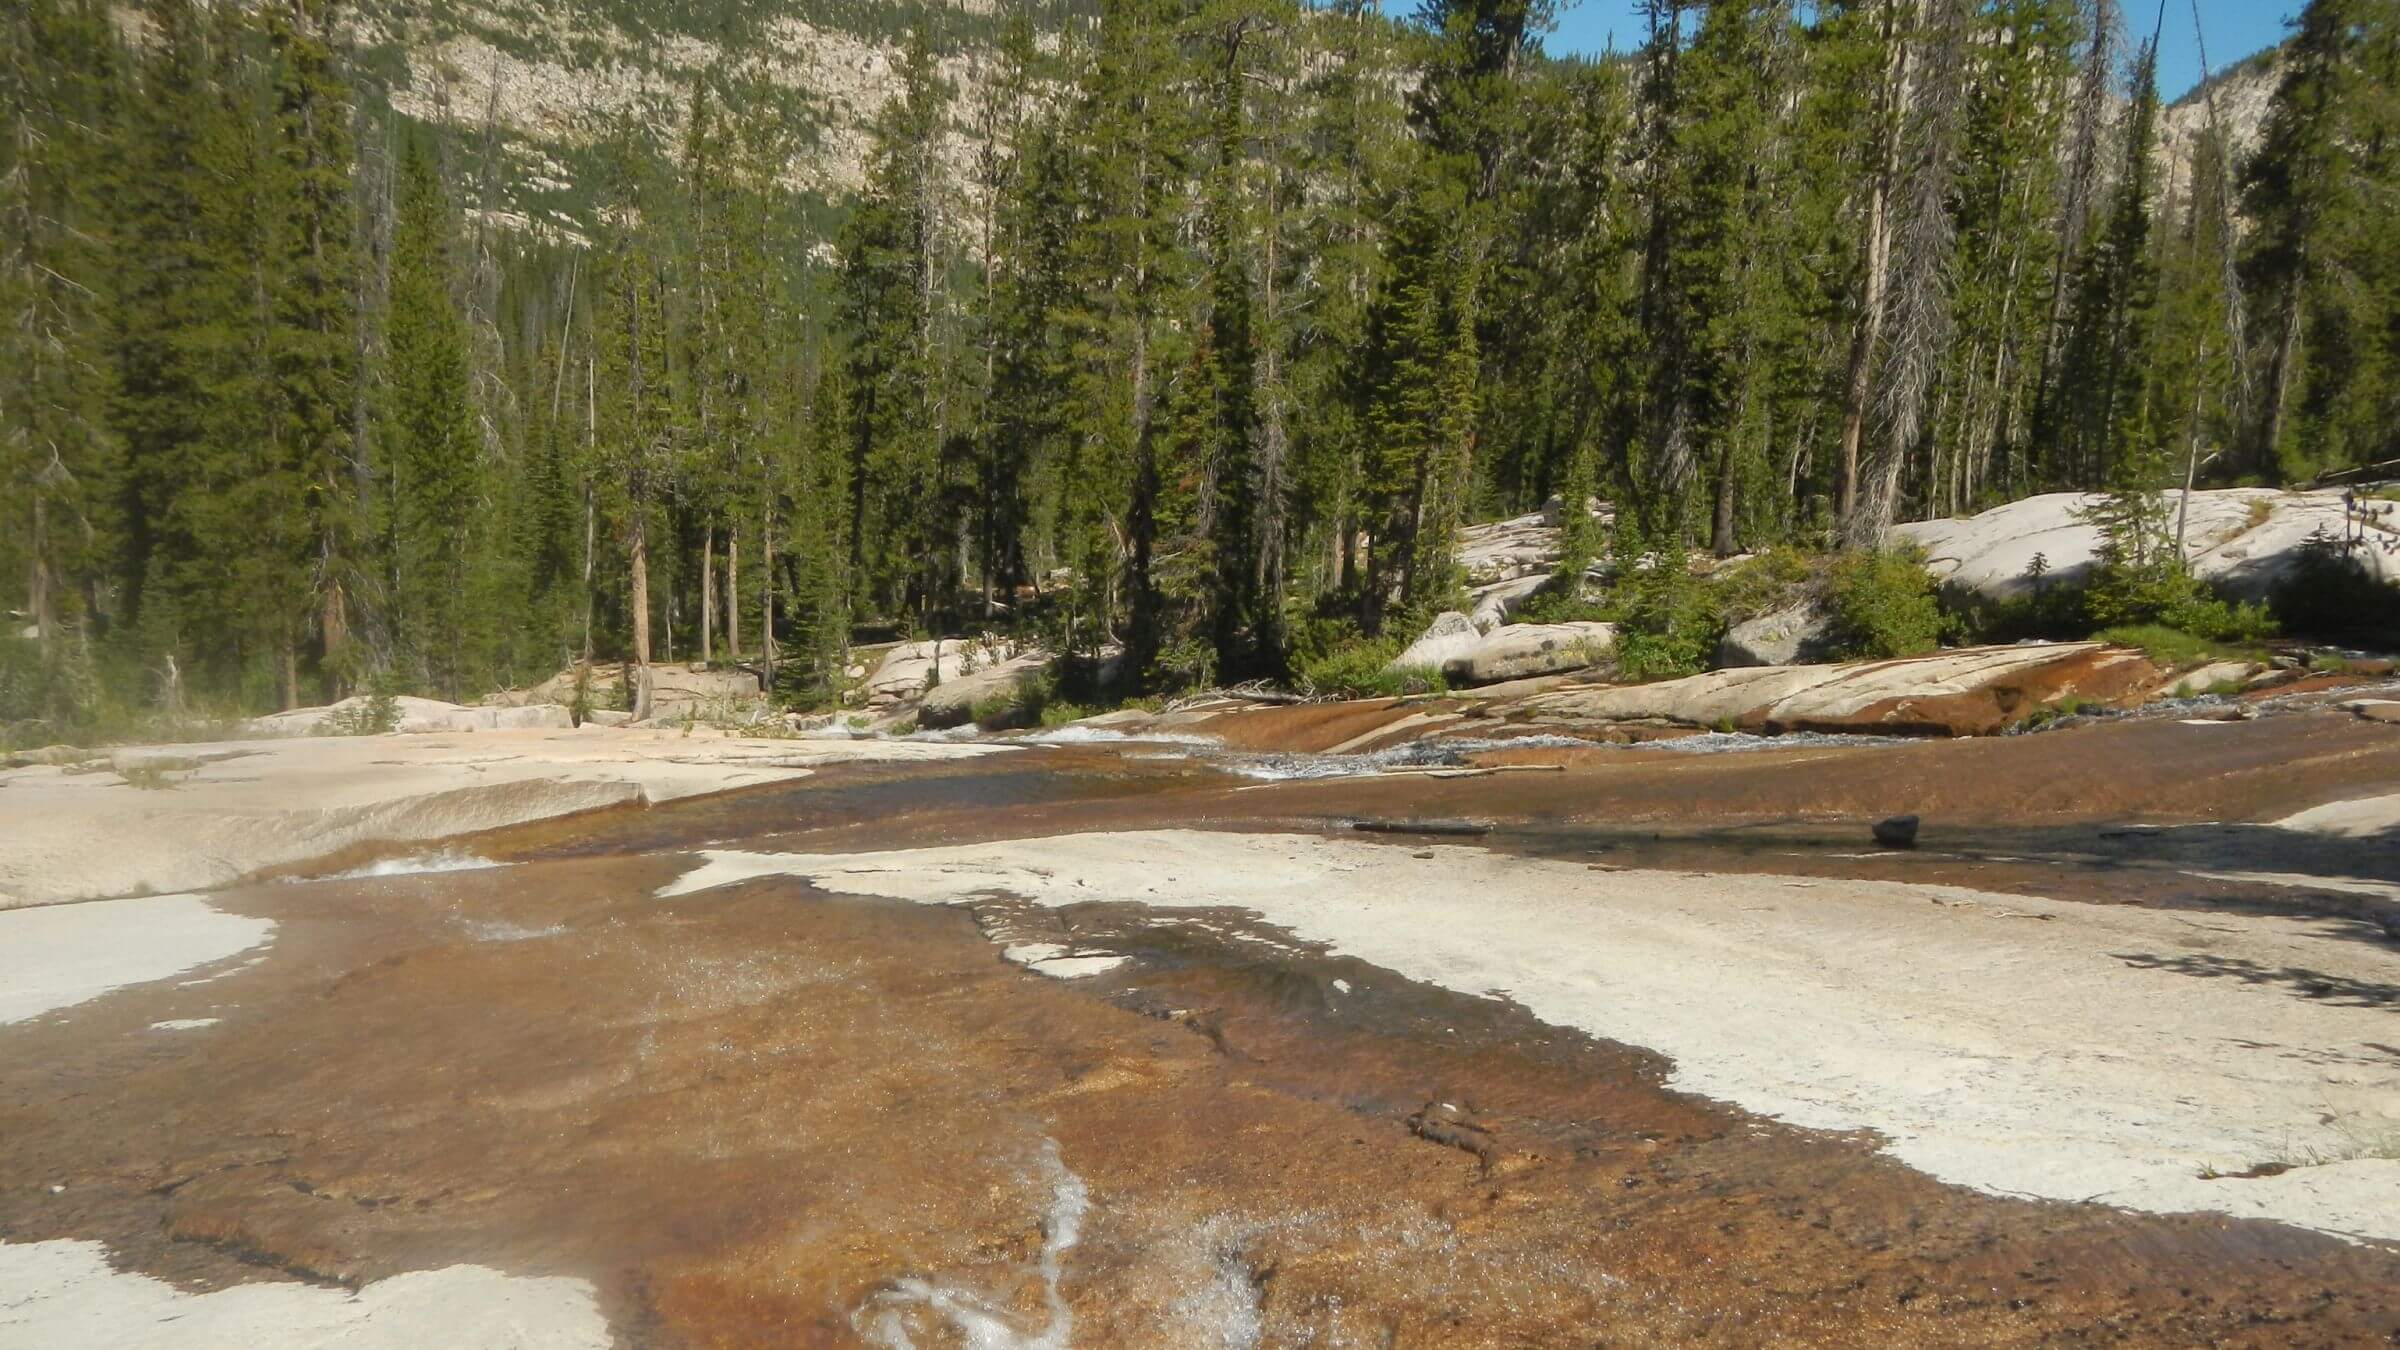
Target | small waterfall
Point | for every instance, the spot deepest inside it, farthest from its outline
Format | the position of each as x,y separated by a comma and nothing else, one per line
886,1318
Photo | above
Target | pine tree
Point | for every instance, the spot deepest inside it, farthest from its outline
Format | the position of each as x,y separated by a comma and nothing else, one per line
58,108
1030,383
1705,288
2321,262
1227,367
435,488
1133,142
1426,358
907,479
2106,424
2007,195
168,287
635,431
1360,143
311,347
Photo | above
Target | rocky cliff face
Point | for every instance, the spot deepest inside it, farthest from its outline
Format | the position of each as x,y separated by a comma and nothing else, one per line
2238,97
541,82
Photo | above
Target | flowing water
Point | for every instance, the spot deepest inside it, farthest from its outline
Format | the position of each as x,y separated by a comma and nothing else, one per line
778,1114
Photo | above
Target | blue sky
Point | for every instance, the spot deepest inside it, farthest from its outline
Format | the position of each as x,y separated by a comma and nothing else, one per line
2235,28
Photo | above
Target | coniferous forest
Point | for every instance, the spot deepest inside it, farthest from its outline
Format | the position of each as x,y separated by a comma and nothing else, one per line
1193,330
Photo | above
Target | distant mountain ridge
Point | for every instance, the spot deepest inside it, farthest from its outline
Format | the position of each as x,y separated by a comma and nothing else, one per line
543,76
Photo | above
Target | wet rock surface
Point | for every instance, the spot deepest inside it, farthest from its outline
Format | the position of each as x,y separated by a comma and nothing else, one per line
777,1114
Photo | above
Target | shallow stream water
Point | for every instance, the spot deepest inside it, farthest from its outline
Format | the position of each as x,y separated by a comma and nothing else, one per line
776,1114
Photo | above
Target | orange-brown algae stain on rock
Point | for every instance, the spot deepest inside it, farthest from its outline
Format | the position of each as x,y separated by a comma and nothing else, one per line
766,1114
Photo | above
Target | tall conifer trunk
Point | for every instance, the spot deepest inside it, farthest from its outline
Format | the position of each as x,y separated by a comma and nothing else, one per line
1866,337
637,560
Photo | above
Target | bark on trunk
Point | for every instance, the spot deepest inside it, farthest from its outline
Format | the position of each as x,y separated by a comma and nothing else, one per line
708,595
1720,537
638,583
1863,341
2279,388
766,598
38,581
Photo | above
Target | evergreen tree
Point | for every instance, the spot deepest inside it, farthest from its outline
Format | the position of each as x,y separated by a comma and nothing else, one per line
2321,262
1425,349
1705,287
907,478
2105,427
634,430
1227,367
306,501
58,106
435,483
1133,141
2008,189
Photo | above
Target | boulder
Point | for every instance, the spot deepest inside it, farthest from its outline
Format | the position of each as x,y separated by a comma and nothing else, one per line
908,670
2193,683
1793,635
2377,710
1897,832
1519,547
2245,540
953,701
677,690
1451,636
1499,602
1520,651
1968,692
1468,656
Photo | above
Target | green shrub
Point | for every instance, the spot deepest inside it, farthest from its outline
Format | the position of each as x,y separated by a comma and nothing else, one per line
1884,605
374,715
995,707
1764,583
2165,593
1363,670
2167,646
2330,594
1643,658
2045,714
1668,621
1059,714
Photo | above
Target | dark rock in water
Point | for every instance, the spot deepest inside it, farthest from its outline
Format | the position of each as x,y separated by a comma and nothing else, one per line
1438,827
1447,1125
1897,832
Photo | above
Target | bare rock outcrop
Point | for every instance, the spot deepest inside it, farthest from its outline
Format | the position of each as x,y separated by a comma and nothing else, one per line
409,716
955,701
1519,547
678,690
1793,635
1968,692
1468,655
910,670
2245,540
